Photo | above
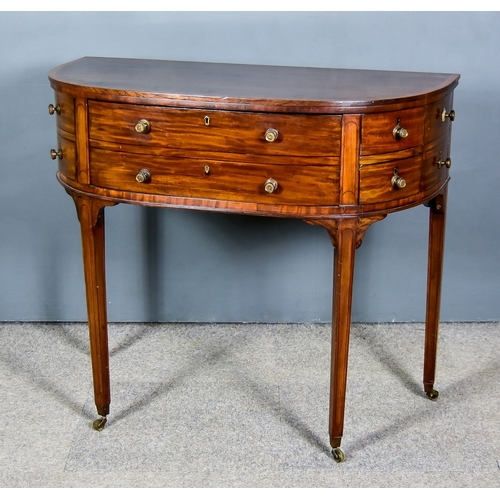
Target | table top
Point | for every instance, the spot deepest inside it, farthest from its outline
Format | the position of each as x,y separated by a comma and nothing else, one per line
253,87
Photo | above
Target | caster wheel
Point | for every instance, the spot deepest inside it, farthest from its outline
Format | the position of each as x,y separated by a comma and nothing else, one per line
99,423
338,455
432,395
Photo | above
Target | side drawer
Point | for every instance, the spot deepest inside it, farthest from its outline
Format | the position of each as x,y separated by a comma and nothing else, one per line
435,125
67,164
434,172
219,180
378,136
65,118
375,181
221,131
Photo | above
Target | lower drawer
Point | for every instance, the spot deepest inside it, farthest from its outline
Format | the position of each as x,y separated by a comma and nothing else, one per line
435,169
376,181
67,158
218,180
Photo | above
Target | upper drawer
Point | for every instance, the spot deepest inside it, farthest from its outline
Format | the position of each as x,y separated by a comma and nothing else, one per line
437,119
379,131
224,131
65,116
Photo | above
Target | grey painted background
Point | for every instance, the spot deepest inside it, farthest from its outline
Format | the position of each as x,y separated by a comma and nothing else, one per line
170,265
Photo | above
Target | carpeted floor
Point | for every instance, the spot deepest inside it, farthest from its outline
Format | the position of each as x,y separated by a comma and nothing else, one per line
245,405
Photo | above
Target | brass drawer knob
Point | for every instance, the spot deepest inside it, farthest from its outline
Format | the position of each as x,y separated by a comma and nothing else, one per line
398,182
142,127
444,163
400,132
54,109
450,115
271,185
271,135
56,154
143,175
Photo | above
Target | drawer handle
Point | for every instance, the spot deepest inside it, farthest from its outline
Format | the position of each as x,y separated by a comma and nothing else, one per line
271,134
143,175
271,185
444,163
400,132
142,126
398,182
56,154
450,115
54,109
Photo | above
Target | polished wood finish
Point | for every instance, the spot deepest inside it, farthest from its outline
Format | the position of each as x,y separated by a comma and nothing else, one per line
323,145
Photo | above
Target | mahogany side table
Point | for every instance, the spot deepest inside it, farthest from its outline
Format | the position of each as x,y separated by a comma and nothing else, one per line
336,148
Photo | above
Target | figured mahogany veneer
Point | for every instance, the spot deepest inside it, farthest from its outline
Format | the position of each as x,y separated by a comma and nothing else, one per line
336,148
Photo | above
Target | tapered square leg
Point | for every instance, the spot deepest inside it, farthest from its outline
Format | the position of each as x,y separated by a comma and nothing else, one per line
341,326
91,216
434,277
346,236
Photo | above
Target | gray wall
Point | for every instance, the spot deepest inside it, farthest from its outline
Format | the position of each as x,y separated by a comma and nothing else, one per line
171,265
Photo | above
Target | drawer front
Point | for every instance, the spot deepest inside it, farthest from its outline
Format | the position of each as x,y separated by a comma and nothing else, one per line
219,180
378,135
67,164
434,173
375,181
435,126
66,117
220,131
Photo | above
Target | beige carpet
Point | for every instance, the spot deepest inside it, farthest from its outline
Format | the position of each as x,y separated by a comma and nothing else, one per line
244,405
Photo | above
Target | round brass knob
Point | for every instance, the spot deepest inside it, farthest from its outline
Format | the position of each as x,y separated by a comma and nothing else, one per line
444,163
398,182
143,175
56,154
400,132
54,109
142,127
450,115
271,185
271,135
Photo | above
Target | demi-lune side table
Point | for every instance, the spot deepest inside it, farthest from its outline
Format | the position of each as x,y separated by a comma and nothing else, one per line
337,148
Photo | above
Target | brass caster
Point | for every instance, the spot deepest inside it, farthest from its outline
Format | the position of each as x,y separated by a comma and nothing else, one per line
338,455
99,423
432,395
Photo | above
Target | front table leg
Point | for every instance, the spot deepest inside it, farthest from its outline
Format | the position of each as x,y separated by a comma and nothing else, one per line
91,216
346,235
343,272
434,273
